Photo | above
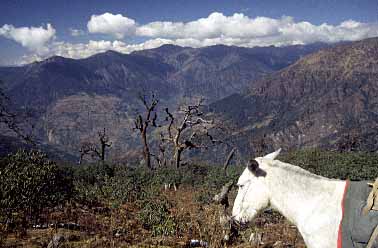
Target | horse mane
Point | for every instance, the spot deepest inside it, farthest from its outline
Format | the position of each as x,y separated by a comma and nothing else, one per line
294,169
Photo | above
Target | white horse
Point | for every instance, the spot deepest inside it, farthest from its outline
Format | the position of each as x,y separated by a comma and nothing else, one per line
311,202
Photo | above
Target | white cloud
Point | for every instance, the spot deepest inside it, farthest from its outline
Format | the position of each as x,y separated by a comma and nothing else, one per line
116,25
83,50
242,30
237,29
216,25
76,32
33,38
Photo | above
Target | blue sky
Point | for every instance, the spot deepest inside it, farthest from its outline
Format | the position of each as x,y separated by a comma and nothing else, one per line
33,30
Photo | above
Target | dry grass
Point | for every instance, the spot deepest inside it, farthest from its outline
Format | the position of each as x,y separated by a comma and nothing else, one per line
98,227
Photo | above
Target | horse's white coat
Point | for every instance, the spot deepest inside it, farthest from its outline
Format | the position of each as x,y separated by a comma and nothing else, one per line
311,202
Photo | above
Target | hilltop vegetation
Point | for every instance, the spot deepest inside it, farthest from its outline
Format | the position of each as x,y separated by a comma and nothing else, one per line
113,205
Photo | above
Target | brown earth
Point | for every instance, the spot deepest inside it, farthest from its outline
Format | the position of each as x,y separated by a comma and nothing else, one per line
194,221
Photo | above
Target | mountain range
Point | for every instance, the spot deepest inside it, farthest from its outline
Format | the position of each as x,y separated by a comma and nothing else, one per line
327,99
296,96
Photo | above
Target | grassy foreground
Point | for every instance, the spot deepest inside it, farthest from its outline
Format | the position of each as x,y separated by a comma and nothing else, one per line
102,205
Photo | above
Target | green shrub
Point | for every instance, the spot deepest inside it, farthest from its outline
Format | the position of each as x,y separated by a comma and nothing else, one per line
166,175
204,197
155,216
94,184
29,182
331,164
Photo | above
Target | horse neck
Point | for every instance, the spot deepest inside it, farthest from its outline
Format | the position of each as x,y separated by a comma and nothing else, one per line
297,194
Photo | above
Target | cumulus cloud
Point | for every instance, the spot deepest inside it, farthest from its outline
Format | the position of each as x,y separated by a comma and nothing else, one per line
83,50
216,25
33,38
237,30
116,25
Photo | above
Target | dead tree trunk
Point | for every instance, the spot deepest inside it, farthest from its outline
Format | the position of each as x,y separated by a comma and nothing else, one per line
177,157
226,222
104,141
162,159
142,124
92,149
191,121
146,149
228,160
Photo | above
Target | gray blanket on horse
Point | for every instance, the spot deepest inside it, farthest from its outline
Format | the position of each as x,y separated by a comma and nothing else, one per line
357,228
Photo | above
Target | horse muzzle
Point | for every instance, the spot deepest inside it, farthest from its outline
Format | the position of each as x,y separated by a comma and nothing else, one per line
239,223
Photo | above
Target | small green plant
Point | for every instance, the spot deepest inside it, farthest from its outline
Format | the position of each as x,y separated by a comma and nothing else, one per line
204,197
155,216
30,182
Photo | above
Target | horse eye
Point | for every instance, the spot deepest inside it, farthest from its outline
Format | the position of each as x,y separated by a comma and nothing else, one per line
240,186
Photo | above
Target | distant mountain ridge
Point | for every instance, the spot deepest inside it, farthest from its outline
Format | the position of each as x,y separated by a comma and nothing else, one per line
76,98
327,99
219,71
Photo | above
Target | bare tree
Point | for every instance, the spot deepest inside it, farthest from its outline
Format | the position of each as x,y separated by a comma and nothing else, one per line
104,143
228,160
142,122
11,120
184,134
88,148
161,157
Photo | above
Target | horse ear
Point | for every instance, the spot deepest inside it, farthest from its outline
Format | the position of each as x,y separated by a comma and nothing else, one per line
273,155
253,166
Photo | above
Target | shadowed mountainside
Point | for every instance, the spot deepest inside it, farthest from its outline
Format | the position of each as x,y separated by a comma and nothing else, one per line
328,99
75,99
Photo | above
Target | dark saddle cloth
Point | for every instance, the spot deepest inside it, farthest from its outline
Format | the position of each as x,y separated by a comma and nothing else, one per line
356,227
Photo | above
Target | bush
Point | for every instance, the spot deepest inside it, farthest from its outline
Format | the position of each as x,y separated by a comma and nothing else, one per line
94,184
29,182
331,164
155,216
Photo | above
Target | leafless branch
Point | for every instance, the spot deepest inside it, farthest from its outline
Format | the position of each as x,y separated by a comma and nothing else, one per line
191,121
88,148
228,227
142,124
228,160
12,120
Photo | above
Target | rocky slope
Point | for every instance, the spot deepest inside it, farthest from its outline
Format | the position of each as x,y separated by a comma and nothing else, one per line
219,71
329,98
74,99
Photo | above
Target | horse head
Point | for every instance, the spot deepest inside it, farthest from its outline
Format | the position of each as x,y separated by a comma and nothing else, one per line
253,193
